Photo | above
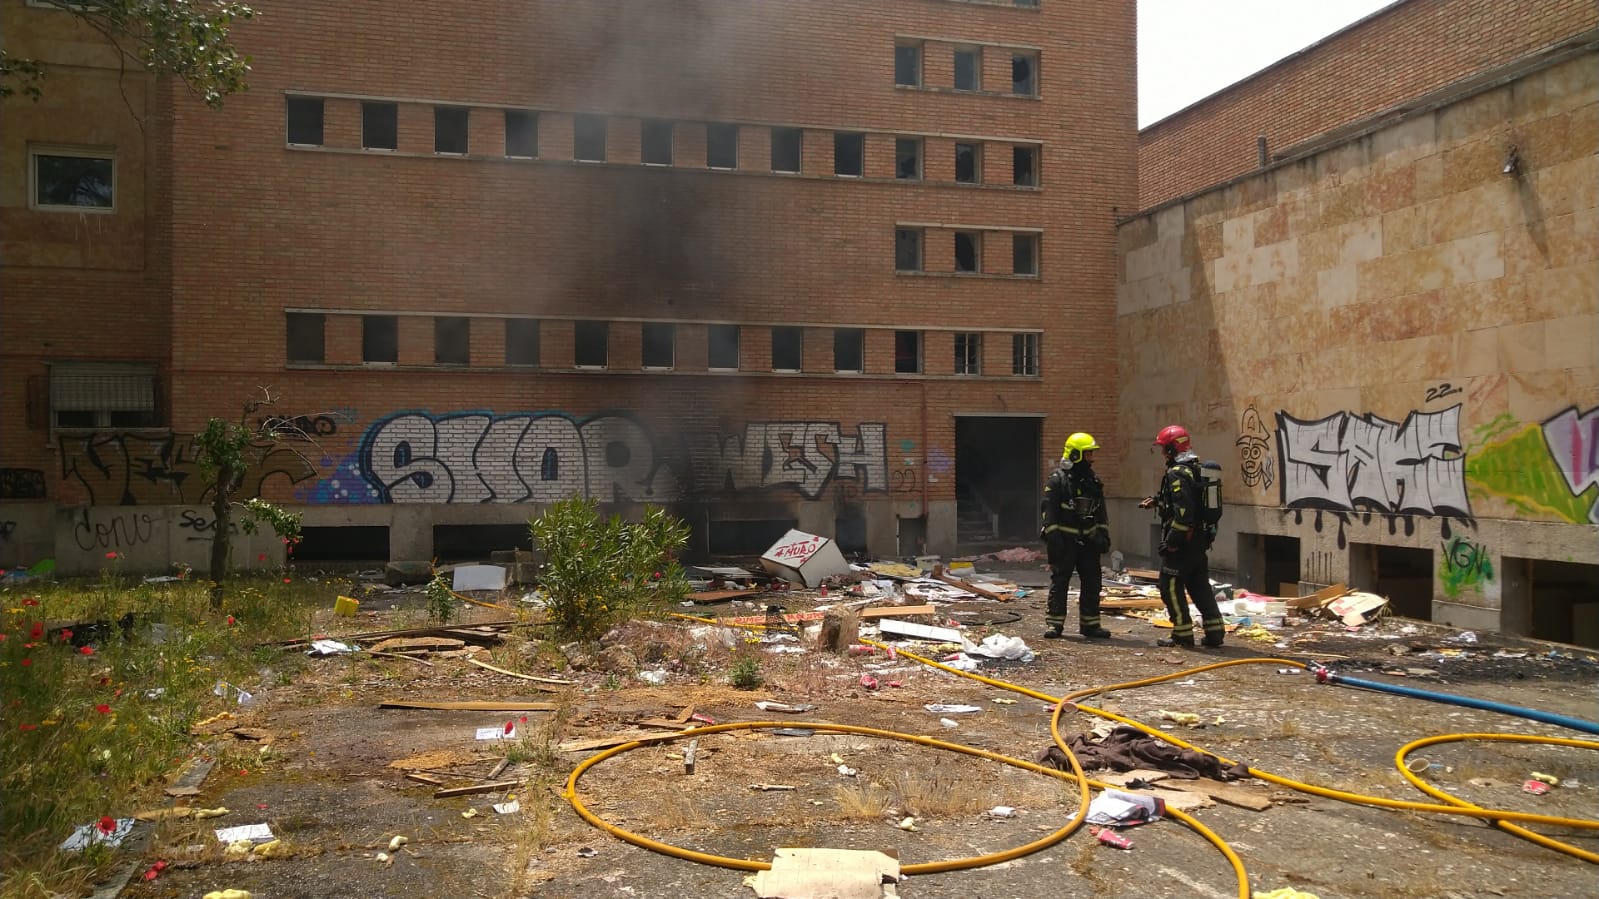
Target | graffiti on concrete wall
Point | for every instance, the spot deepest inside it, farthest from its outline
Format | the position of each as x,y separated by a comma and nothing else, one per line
131,469
1545,470
1254,451
21,483
1348,462
1464,564
99,529
1573,439
803,456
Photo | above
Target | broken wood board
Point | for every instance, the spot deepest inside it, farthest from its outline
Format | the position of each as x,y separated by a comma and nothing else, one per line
483,705
491,787
712,597
1144,574
641,736
919,631
542,680
804,617
437,758
1140,603
1319,598
428,779
939,574
1122,778
425,644
430,631
677,722
829,873
1230,794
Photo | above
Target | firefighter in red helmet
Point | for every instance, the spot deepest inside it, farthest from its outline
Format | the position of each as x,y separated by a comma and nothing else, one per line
1185,538
1076,532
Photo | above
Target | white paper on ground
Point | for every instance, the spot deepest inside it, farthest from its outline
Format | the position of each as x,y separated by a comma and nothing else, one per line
479,577
89,834
508,808
496,733
255,833
829,873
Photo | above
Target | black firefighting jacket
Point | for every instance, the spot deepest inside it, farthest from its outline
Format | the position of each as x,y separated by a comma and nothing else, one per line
1074,505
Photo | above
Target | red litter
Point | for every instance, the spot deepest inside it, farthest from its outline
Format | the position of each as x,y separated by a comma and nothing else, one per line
155,870
1112,838
1535,787
868,682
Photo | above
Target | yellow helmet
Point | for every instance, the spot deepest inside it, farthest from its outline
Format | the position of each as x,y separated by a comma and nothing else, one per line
1076,445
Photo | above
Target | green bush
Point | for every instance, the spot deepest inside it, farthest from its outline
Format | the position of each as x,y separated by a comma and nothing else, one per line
603,571
745,673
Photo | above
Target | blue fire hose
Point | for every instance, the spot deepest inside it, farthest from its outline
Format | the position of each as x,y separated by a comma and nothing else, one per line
1325,676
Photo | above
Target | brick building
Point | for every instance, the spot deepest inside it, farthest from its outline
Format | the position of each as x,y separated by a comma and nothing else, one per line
841,265
1388,330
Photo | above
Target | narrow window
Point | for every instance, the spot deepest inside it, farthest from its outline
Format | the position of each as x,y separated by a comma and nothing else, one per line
450,130
968,353
521,341
305,121
1024,166
452,340
968,69
908,159
658,344
380,339
907,352
849,153
380,126
721,146
907,250
1024,254
521,134
788,344
1024,74
588,138
849,349
589,343
786,149
68,179
908,65
655,142
721,349
967,168
968,251
305,337
1024,354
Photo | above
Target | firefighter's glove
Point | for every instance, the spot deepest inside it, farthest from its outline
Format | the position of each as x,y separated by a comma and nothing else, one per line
1101,543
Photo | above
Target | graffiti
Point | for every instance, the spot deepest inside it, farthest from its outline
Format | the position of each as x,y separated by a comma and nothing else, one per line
1464,565
130,469
344,485
303,427
1573,440
116,530
903,480
202,526
1440,391
796,455
1539,470
1254,459
21,483
939,462
1351,462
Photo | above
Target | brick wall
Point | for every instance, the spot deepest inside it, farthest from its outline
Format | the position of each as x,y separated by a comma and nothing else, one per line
1391,58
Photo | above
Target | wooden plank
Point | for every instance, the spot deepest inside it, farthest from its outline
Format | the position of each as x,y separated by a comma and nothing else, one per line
492,787
396,655
711,597
938,574
897,611
542,680
1146,574
1230,794
428,779
1141,603
495,705
428,644
499,768
614,740
1320,598
688,756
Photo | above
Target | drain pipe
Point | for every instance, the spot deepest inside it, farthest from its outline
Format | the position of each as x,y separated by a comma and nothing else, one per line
1326,676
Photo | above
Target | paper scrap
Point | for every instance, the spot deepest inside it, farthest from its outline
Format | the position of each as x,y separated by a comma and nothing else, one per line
255,833
110,832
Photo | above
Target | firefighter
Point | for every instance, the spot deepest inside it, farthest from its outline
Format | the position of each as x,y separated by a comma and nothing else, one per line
1185,538
1076,532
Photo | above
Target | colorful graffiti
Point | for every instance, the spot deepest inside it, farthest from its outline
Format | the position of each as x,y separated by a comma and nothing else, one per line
1254,451
129,469
1573,439
1349,462
1543,470
1464,565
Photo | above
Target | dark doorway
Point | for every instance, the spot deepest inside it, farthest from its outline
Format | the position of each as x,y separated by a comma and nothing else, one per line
474,542
343,544
997,482
1269,564
1565,600
1402,574
746,538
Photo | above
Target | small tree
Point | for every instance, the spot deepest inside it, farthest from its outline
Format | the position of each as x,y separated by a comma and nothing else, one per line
224,453
602,572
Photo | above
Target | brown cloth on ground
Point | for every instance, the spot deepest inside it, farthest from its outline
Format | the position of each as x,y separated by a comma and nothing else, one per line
1127,748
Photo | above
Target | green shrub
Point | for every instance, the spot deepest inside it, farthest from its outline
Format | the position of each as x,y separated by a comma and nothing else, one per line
745,673
603,571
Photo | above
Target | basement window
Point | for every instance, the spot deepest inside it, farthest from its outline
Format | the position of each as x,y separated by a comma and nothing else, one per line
721,347
589,343
1024,254
658,339
1024,355
452,340
968,353
102,395
450,130
304,121
1024,166
849,349
908,352
968,251
786,144
522,341
907,250
655,142
380,126
521,134
849,153
305,337
72,179
721,146
380,339
788,343
588,138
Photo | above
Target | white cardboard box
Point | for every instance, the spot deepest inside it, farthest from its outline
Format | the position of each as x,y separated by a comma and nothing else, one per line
804,558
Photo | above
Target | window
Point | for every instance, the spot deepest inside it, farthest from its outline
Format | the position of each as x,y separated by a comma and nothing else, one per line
849,349
305,120
721,347
380,126
1024,166
655,142
967,163
907,250
968,69
380,339
968,354
588,344
305,337
449,129
521,341
907,352
908,65
1024,354
786,149
968,251
588,138
908,159
452,340
73,179
658,344
102,395
788,344
1024,74
1024,254
721,146
849,153
521,134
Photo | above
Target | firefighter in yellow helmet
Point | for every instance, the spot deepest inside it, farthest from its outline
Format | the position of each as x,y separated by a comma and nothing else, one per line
1076,532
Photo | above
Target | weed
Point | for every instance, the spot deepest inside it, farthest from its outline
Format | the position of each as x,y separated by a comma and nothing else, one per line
601,572
442,605
1287,728
862,802
745,673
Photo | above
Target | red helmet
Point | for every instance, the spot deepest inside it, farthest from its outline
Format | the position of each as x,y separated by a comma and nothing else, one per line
1173,439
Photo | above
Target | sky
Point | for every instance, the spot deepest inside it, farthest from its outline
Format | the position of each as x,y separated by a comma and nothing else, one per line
1190,49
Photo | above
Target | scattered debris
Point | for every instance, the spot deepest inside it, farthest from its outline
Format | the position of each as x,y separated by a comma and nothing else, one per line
804,559
506,705
253,833
107,831
772,788
829,873
490,787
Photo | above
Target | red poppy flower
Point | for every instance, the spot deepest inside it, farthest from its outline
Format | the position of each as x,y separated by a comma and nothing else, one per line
27,727
30,602
2,637
66,635
107,825
524,719
37,632
105,681
285,580
111,555
103,709
510,727
29,645
230,620
87,650
27,662
261,557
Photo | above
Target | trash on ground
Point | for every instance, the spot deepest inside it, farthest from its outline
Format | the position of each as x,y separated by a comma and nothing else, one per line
508,808
999,646
1002,811
1357,608
919,631
942,708
907,824
805,559
1117,807
1285,893
1549,779
831,873
227,894
1187,719
1112,838
107,831
255,833
783,707
1535,787
948,722
772,788
328,648
467,578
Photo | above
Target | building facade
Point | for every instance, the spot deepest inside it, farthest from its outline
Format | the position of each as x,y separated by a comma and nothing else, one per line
837,265
1391,340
